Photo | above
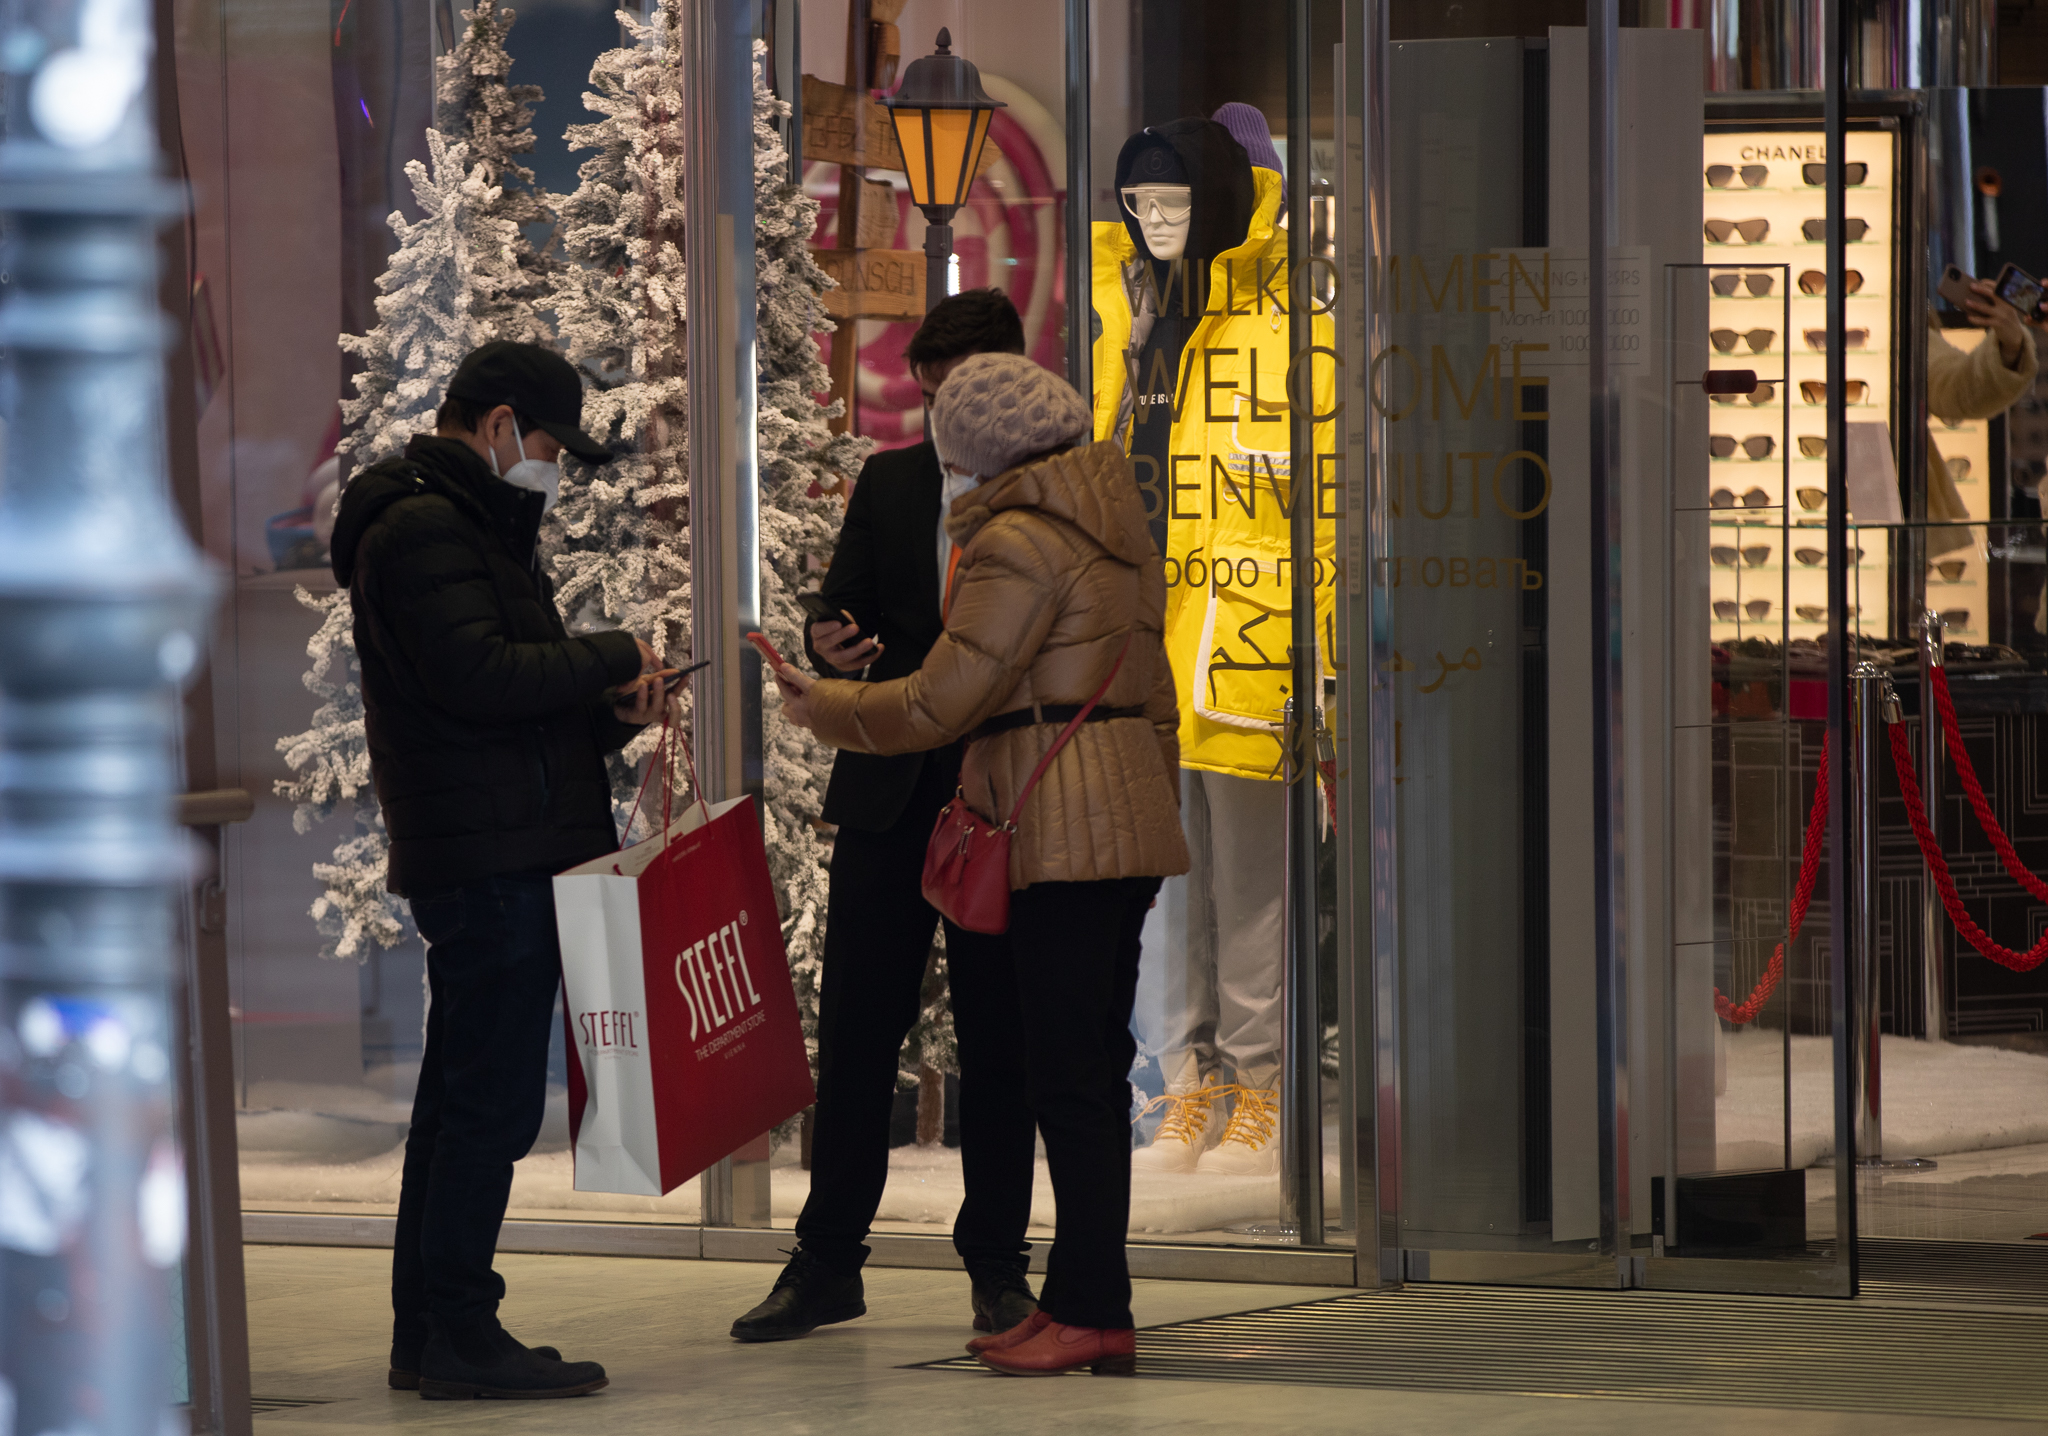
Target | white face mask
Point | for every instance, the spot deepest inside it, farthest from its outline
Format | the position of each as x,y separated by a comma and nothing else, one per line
540,476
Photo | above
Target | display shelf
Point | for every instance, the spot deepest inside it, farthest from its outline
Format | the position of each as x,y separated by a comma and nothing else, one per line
1796,408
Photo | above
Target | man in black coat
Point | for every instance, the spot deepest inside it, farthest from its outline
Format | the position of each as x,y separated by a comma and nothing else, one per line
888,576
488,726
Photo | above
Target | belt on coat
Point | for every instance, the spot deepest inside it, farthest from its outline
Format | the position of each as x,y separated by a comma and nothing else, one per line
1061,713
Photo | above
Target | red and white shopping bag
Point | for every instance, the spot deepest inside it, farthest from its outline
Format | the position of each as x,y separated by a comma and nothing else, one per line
684,1041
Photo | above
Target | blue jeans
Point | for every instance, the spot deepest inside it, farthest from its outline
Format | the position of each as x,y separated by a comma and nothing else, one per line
494,965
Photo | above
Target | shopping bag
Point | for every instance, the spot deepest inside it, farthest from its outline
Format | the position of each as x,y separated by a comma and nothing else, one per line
684,1040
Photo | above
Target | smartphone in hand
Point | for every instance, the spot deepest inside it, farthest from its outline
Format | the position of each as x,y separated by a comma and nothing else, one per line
760,641
820,608
2019,289
1955,287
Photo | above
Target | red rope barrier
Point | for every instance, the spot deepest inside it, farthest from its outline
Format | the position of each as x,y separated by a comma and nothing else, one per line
1809,869
1986,819
1916,814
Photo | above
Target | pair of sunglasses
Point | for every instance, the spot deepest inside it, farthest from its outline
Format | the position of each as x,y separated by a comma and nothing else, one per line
1761,394
1758,609
1758,340
1814,557
1756,282
1719,231
1853,173
1853,230
1815,281
1757,446
1851,338
1752,176
1818,613
1755,556
1956,617
1725,499
1811,499
1815,391
1951,569
1958,470
1812,447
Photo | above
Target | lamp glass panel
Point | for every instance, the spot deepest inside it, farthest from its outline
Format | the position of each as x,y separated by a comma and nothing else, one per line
916,163
953,134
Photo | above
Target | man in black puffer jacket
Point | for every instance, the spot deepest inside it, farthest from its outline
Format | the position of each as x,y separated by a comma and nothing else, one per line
488,726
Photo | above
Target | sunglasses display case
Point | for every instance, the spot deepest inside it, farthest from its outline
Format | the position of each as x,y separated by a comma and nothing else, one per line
1763,245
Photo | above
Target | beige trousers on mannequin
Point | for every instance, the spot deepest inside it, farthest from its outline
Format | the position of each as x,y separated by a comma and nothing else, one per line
1217,993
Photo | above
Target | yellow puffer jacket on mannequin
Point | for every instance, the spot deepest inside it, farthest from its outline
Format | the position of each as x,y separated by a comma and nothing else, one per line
1229,614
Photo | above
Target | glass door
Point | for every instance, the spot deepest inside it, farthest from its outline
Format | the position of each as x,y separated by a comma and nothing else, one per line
1543,775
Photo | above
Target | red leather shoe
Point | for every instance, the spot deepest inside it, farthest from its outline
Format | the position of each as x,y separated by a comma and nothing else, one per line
1058,1348
1024,1330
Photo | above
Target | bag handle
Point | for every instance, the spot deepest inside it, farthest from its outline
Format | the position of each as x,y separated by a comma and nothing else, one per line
671,738
1066,733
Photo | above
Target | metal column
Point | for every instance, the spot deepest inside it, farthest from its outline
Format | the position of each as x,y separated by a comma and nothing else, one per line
718,228
1080,205
1876,707
103,610
1301,1082
1933,921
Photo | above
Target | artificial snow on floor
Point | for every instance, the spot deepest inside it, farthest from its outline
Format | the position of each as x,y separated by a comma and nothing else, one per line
311,1144
1938,1097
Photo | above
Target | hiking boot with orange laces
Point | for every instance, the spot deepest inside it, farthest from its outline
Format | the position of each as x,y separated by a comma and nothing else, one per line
1251,1142
1183,1133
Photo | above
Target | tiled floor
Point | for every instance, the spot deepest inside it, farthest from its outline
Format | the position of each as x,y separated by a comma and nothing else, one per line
319,1321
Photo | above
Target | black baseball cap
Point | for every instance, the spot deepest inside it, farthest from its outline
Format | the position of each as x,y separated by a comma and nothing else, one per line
538,382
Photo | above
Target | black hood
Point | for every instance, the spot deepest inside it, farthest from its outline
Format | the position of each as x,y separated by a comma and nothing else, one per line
438,466
1220,174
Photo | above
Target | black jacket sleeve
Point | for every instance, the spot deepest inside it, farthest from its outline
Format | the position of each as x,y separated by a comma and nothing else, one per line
851,581
430,587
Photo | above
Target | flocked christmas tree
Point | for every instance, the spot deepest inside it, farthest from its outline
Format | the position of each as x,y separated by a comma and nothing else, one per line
799,522
461,275
619,548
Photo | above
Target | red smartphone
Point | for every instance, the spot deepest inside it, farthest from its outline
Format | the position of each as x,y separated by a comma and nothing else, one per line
760,641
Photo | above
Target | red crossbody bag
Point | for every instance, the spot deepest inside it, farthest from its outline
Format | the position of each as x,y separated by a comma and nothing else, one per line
967,862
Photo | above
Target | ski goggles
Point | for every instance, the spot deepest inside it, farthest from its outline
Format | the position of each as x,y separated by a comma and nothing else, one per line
1175,202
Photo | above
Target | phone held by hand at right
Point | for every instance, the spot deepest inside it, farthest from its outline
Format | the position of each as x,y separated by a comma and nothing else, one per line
818,607
2014,285
2019,289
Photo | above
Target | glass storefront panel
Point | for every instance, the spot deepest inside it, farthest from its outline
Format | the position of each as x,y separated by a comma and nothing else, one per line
1478,833
301,121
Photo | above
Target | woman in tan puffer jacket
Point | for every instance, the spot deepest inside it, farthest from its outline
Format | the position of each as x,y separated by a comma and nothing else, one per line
1056,577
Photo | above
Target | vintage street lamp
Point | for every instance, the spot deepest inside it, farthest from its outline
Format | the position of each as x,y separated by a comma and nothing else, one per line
942,118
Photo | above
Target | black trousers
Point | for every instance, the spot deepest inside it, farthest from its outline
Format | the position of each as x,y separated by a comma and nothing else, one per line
494,964
877,939
1076,950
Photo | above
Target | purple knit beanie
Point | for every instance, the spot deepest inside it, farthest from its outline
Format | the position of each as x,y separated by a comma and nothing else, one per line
1248,127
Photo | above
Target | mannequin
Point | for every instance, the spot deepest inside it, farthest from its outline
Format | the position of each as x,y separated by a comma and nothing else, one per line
1191,372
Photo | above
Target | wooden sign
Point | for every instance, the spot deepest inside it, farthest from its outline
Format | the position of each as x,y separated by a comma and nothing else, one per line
874,283
878,217
831,135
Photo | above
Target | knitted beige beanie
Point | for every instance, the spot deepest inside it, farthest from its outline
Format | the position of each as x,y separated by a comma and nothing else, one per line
997,409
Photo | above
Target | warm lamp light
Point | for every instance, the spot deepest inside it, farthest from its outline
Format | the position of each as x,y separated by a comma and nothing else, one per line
942,120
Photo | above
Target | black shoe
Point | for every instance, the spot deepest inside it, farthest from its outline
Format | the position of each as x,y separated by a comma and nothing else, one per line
1001,1300
404,1374
809,1294
458,1363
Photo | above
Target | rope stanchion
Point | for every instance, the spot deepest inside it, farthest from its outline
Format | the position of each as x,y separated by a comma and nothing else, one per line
1740,1013
1937,865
